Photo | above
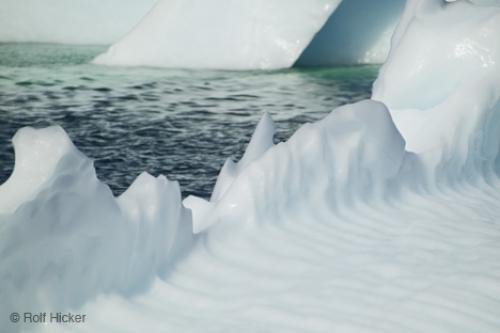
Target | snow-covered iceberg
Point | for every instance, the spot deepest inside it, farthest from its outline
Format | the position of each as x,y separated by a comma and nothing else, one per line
221,34
69,22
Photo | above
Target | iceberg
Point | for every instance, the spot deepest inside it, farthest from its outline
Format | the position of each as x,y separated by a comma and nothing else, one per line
70,22
381,217
262,34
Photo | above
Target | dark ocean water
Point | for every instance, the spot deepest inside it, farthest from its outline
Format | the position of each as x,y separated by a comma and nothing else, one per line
180,123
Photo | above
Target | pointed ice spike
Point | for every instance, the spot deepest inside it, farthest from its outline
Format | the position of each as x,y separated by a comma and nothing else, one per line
262,140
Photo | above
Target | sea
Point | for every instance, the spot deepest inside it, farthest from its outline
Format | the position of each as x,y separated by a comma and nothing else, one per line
180,123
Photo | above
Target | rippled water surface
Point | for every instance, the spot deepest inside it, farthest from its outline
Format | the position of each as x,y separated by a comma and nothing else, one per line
180,123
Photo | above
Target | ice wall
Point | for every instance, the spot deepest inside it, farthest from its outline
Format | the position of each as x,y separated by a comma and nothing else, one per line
223,34
358,32
64,238
69,22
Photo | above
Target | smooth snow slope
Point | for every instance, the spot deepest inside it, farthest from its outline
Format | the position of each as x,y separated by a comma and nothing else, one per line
382,217
223,34
69,21
358,32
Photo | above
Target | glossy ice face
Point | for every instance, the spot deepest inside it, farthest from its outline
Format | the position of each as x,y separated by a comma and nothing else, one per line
456,41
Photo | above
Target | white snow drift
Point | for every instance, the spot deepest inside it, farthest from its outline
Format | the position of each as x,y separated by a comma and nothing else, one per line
382,217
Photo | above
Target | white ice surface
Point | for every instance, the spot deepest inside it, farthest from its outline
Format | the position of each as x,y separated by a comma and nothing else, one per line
223,34
378,218
426,262
69,21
